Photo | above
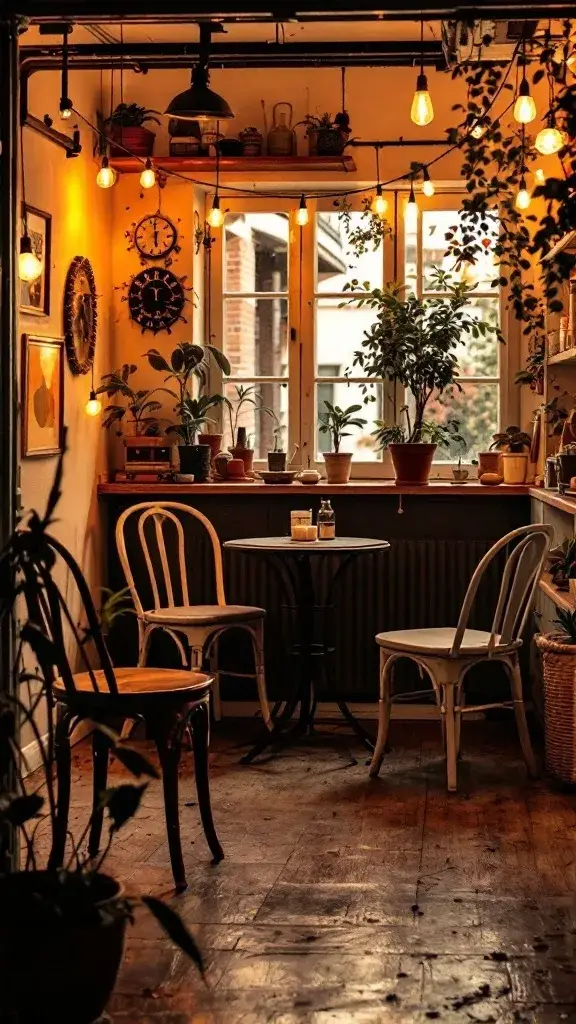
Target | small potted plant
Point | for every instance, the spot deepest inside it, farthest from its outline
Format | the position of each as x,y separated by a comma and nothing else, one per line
144,447
277,458
325,136
412,453
558,652
334,422
125,126
195,459
460,475
562,566
511,445
240,446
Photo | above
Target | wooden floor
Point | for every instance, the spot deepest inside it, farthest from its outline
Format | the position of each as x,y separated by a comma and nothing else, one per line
343,899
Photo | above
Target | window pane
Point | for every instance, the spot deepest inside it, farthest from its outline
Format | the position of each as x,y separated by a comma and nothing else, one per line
256,252
335,264
260,425
360,443
339,334
435,224
256,336
479,357
476,407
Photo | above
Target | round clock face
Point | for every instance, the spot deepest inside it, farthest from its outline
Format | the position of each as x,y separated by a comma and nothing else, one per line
156,299
155,236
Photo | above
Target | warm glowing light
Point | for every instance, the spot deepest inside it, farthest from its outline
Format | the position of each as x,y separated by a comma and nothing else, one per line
379,204
215,216
411,213
524,107
65,110
539,176
302,213
93,406
106,176
29,266
550,140
422,111
148,176
477,131
427,185
524,197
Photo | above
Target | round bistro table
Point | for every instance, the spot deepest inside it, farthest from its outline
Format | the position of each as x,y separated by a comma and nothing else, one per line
292,560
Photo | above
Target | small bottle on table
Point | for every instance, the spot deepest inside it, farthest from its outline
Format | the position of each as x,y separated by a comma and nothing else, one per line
326,521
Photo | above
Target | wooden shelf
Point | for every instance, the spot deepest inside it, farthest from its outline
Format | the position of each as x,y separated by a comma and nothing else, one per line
301,165
567,357
561,598
563,502
566,244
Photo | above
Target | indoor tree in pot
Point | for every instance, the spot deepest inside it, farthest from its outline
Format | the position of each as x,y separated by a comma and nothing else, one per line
126,127
334,422
413,343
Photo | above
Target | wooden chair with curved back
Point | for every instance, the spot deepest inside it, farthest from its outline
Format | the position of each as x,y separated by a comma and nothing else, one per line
166,700
446,654
201,624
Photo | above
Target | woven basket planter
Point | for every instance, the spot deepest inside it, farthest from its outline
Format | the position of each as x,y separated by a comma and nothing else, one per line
559,661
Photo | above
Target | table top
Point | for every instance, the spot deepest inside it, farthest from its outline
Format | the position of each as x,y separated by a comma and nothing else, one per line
310,547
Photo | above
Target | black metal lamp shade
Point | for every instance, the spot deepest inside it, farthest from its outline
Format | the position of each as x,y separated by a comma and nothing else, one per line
199,102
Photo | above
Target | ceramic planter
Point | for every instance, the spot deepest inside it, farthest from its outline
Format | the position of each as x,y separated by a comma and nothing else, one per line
277,462
338,467
139,141
247,456
195,461
489,462
214,442
329,142
52,968
514,467
412,463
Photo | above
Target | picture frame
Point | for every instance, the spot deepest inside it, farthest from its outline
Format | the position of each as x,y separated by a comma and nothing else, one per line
42,409
35,295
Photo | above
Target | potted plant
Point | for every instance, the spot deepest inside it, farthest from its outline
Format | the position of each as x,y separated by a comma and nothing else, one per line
62,924
143,445
189,363
558,652
562,565
325,136
334,422
240,446
125,126
413,343
277,458
511,445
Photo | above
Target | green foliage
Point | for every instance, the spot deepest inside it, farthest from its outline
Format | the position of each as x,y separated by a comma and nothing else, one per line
369,234
562,564
193,412
444,435
131,115
114,605
567,622
335,421
512,439
244,396
140,404
189,362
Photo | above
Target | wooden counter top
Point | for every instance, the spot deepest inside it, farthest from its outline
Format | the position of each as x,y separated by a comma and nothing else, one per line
355,488
562,501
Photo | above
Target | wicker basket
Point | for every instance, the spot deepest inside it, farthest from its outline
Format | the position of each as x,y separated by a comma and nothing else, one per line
559,661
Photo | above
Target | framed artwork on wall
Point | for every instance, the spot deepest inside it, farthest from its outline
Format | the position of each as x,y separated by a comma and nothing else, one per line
42,396
35,295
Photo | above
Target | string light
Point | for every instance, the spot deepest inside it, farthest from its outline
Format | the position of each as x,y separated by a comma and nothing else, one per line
411,212
302,213
539,176
422,111
148,176
524,197
427,185
550,140
379,204
93,406
524,107
215,216
29,266
65,101
477,131
106,176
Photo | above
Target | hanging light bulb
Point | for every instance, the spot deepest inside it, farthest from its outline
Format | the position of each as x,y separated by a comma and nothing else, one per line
148,176
29,266
524,197
106,176
422,111
411,213
477,131
539,176
550,140
302,213
65,101
65,108
524,107
379,204
93,406
427,185
215,216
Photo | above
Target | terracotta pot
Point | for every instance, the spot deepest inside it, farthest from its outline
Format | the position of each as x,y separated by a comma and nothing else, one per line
139,141
277,462
214,442
489,462
195,461
338,467
247,456
235,469
53,968
514,467
412,463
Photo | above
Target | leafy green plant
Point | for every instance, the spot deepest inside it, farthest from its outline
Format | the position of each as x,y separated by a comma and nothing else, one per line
335,421
413,342
114,605
513,439
192,412
562,564
132,115
445,435
567,622
189,363
366,236
244,396
140,404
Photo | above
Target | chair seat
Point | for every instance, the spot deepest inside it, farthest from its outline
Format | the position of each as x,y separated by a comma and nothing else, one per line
438,641
134,682
204,615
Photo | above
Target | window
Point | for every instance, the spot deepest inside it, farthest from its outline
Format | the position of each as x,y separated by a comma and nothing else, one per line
290,332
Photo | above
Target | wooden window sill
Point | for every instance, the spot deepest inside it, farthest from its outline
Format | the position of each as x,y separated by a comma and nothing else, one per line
355,487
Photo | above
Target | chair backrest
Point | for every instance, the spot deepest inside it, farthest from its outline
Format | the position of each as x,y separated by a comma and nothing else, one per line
162,516
522,572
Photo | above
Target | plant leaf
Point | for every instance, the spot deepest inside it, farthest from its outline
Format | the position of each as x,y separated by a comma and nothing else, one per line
175,929
122,802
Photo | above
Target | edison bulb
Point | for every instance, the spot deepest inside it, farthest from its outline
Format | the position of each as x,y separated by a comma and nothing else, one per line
422,111
379,204
549,141
411,217
106,176
215,216
66,113
524,107
539,176
477,131
523,199
29,266
148,176
93,406
428,188
302,213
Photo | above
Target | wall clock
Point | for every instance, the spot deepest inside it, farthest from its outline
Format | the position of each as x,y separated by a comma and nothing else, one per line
155,237
156,299
80,315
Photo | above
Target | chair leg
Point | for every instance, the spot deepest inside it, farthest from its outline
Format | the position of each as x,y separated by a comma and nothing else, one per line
200,722
451,753
520,713
257,634
384,702
214,662
144,637
63,774
167,734
100,748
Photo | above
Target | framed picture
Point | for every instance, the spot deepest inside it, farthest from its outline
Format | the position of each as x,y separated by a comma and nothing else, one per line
35,295
42,396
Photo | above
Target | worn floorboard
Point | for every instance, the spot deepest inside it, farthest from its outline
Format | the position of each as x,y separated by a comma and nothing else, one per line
342,899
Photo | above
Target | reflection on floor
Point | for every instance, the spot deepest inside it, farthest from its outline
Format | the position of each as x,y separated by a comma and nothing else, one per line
343,899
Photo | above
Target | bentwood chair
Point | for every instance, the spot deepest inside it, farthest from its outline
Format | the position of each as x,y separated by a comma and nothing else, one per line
201,624
168,701
446,654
